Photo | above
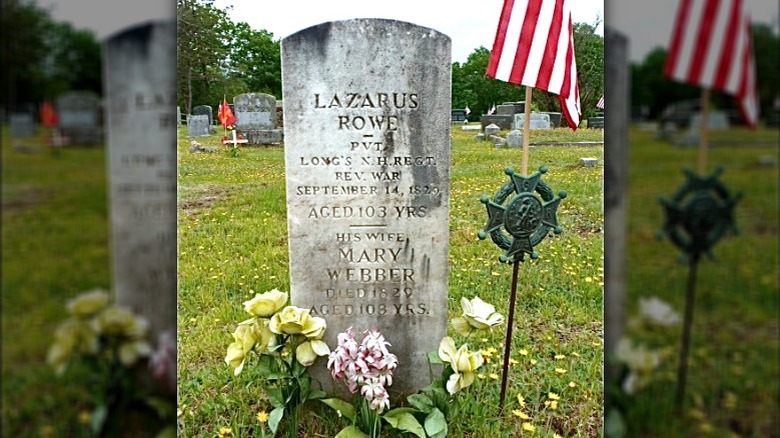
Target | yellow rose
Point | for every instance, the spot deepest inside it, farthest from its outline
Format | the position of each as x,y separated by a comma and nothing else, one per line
266,304
307,352
130,351
120,321
265,338
294,320
244,337
462,361
88,304
480,314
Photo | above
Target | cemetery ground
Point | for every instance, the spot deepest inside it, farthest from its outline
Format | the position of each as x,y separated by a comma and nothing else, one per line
233,244
733,369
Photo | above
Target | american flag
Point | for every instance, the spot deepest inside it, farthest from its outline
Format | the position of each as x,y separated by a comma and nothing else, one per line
600,103
534,46
711,46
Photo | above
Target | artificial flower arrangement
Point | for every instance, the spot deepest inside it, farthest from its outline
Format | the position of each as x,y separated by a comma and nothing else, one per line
113,342
288,339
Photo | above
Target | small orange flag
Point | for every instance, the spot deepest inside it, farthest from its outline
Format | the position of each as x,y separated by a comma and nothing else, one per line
225,115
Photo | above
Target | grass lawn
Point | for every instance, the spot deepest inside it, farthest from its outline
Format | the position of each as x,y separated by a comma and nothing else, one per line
732,384
54,246
232,244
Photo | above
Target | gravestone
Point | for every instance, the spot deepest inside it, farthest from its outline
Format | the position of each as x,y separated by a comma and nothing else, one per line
279,114
367,143
491,130
718,121
596,122
555,119
204,110
514,139
197,126
80,118
538,121
505,110
519,106
458,116
22,125
256,118
504,122
141,151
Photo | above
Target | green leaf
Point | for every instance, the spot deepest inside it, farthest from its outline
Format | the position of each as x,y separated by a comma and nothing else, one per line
402,419
274,418
351,432
436,424
276,397
316,394
421,402
99,419
433,358
340,405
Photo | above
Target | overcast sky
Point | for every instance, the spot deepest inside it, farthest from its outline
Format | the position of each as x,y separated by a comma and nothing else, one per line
647,23
469,24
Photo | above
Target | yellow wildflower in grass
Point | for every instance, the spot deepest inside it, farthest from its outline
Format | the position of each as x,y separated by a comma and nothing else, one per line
572,384
513,362
493,376
555,435
553,396
560,356
520,400
481,376
524,352
529,427
521,414
533,361
225,432
560,371
262,417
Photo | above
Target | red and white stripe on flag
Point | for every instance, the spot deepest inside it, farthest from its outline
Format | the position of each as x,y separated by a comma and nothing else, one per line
712,47
534,46
600,103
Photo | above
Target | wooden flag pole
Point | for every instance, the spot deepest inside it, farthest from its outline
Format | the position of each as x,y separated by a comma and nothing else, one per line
704,119
526,128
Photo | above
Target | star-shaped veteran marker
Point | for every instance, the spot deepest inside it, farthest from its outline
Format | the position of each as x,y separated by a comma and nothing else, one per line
699,213
526,218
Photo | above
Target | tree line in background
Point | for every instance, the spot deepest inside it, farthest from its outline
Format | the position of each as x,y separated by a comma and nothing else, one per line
41,58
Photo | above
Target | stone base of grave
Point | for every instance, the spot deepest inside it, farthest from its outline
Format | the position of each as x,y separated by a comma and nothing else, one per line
263,136
83,136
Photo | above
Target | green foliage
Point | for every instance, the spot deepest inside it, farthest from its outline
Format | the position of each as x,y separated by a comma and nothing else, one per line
42,57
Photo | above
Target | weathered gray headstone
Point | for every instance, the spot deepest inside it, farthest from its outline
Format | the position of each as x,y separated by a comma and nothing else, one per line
589,162
80,118
491,130
256,118
22,125
514,139
502,121
204,110
519,106
596,122
458,116
718,121
197,126
615,198
141,97
367,143
538,121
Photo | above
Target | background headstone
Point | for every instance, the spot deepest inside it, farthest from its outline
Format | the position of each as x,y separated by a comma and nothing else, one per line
80,118
505,110
538,121
491,130
22,125
197,126
596,122
141,98
555,119
514,139
367,165
504,121
204,110
458,116
256,118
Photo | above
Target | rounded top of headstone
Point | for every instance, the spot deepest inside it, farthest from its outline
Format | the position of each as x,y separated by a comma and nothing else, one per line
368,26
